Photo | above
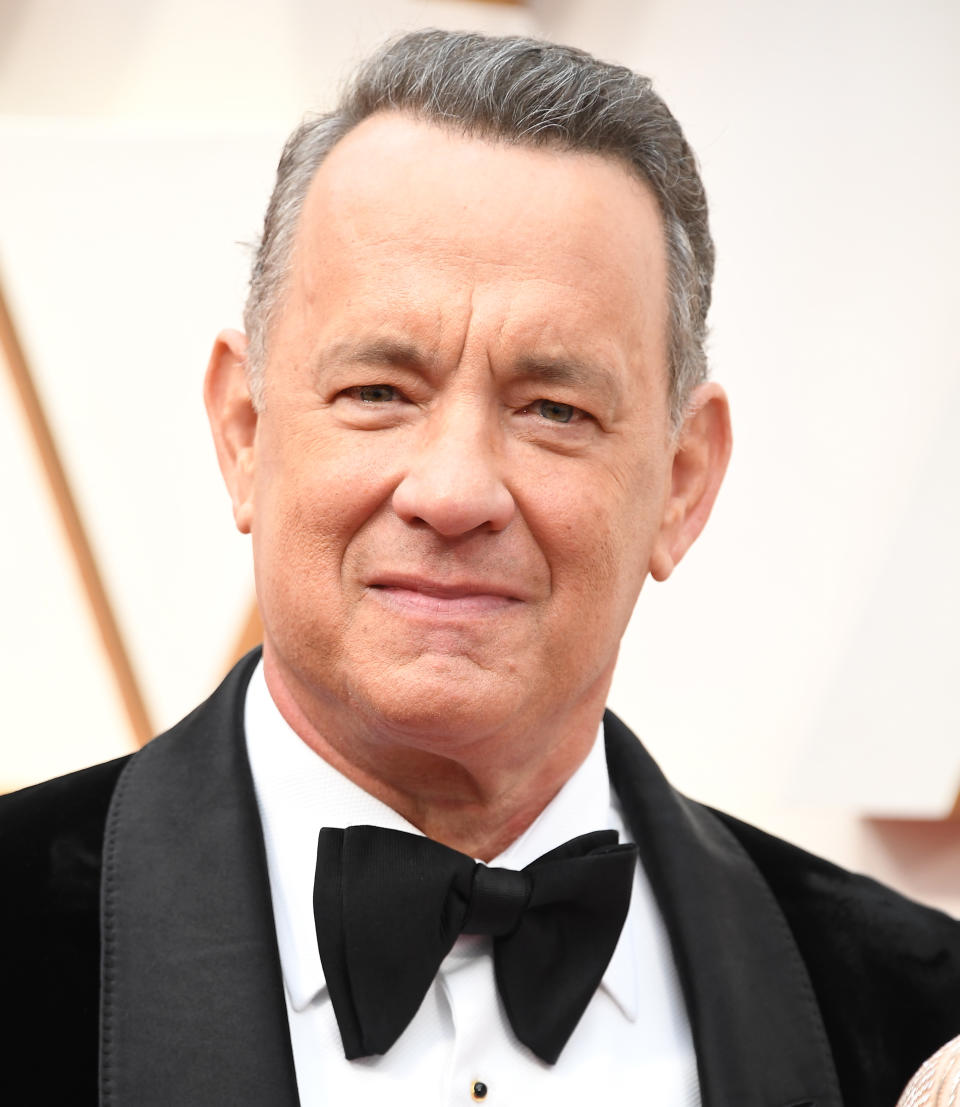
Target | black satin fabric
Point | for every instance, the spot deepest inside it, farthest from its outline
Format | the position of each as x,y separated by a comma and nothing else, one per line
390,905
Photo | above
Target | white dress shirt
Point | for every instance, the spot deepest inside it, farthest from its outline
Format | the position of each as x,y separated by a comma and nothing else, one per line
632,1045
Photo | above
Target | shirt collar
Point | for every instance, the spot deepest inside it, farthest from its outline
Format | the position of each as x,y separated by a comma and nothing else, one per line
298,793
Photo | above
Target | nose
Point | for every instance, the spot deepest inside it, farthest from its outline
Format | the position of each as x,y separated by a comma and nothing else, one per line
454,479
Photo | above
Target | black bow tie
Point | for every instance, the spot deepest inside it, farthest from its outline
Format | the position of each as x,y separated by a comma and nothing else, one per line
390,905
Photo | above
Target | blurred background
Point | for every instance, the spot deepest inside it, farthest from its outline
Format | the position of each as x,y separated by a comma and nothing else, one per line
799,669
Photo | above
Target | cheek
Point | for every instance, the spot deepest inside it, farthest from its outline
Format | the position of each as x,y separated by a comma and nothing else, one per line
599,551
583,549
318,485
302,523
302,528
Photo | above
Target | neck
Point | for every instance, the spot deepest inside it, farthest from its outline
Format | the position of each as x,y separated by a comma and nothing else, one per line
476,797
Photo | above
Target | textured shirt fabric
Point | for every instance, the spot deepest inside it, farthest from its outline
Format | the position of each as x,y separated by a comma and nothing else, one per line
633,1043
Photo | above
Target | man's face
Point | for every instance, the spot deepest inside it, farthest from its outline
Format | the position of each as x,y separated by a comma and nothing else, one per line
463,470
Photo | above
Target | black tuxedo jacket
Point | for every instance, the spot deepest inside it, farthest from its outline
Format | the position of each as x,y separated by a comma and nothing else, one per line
139,955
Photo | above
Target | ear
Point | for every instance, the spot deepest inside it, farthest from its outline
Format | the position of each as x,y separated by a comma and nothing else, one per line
233,420
701,452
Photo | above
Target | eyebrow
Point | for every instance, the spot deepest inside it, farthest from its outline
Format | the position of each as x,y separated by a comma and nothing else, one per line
564,371
547,370
384,351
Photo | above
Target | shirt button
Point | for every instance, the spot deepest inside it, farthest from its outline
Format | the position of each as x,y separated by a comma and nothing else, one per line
479,1091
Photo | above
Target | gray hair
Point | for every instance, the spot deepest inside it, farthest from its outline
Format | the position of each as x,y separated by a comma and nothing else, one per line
520,90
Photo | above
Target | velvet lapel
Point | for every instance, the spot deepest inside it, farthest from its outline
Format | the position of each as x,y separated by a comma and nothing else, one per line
756,1025
192,1008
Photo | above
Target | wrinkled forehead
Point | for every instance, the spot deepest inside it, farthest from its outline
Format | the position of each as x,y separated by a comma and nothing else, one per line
399,201
391,147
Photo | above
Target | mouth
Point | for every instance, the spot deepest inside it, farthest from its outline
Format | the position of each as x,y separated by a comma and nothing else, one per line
415,594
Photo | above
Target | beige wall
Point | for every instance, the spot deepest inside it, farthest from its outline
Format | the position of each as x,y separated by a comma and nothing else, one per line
800,667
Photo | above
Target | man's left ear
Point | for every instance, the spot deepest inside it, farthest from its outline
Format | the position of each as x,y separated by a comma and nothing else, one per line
701,452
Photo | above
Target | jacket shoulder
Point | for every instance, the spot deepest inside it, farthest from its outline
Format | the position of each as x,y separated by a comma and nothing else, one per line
43,827
885,969
51,840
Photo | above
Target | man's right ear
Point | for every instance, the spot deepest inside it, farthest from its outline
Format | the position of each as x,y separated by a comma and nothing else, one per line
233,420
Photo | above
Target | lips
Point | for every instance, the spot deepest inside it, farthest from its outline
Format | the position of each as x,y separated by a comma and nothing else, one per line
455,597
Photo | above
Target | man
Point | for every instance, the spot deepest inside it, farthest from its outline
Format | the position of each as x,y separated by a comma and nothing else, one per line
470,417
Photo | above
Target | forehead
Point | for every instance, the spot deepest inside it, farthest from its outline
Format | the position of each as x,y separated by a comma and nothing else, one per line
420,218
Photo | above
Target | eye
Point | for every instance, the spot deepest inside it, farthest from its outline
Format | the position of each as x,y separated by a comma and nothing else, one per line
554,412
373,393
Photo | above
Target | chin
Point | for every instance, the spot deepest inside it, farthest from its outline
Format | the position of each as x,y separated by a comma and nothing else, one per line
436,708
